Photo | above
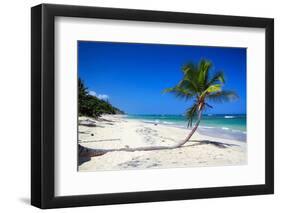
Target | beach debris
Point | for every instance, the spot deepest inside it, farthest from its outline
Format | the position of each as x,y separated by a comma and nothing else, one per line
88,123
109,139
86,152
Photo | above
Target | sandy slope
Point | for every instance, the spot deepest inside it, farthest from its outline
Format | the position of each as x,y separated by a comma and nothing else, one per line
118,132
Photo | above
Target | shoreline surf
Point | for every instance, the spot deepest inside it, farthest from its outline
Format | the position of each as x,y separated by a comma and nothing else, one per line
218,125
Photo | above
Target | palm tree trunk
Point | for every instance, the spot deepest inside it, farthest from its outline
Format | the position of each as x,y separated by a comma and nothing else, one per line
192,131
87,152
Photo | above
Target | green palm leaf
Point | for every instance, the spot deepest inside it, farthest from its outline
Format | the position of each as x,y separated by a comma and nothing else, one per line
188,84
180,92
203,72
213,88
191,113
218,77
222,96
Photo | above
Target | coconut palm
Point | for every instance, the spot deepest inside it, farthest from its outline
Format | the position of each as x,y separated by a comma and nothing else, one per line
200,86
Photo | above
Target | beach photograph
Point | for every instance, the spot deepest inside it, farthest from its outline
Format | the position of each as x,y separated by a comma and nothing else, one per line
160,106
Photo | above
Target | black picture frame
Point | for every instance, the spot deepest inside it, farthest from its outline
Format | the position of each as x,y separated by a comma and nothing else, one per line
43,102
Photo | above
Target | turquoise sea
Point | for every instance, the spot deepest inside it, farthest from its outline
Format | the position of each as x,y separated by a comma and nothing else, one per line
230,126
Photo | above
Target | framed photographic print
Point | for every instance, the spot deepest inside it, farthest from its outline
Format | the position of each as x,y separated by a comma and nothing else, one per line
139,106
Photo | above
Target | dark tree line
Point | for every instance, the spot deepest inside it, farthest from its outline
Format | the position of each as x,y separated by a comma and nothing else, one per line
92,106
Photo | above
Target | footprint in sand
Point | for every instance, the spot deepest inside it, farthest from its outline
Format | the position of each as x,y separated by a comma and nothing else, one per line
153,165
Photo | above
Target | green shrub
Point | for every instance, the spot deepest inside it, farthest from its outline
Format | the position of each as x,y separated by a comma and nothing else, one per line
92,106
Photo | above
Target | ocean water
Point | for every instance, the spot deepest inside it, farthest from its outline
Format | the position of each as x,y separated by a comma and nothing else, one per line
229,126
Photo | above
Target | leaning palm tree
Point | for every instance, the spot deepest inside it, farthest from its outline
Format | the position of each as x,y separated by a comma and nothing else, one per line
199,85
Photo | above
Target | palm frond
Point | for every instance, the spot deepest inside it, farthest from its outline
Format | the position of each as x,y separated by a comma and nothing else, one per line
213,88
190,72
189,68
191,113
188,84
208,105
180,92
222,96
218,77
203,75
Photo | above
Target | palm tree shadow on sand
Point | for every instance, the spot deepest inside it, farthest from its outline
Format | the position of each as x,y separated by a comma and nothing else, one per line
214,143
86,154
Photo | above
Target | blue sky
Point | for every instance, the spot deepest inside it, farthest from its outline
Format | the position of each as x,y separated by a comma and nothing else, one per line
132,76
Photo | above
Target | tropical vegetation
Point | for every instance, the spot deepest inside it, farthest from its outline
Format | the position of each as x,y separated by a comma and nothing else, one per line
92,106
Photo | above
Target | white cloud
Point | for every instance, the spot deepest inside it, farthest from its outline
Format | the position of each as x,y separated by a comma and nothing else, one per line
93,93
103,97
99,96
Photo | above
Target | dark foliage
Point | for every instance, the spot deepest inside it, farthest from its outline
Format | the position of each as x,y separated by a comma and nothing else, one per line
92,106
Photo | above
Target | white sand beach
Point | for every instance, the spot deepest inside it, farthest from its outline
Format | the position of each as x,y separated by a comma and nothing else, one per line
116,131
